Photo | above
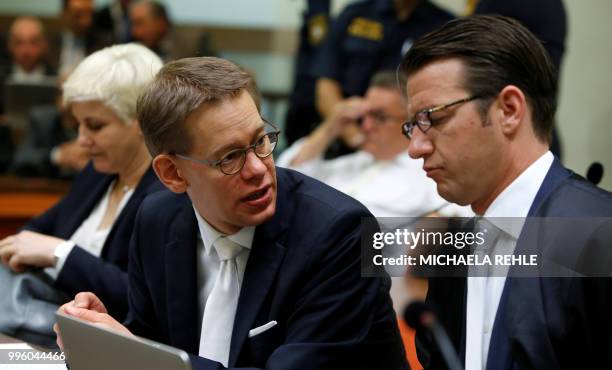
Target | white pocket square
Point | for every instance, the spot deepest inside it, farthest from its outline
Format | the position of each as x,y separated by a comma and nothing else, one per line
260,329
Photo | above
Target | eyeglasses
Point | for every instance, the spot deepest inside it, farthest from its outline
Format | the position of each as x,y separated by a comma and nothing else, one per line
233,162
423,118
378,117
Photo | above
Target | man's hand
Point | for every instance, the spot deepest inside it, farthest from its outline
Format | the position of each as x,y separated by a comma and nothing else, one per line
87,306
28,248
346,117
347,113
342,122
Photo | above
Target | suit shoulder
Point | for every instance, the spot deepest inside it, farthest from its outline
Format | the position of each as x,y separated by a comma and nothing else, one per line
163,204
578,197
315,198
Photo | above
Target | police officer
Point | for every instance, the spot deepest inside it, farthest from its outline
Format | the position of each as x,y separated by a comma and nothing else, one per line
367,37
302,115
545,18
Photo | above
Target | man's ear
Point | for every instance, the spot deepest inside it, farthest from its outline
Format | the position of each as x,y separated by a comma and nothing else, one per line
169,174
512,109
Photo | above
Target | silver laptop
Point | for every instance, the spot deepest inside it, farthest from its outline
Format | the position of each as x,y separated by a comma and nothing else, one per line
89,347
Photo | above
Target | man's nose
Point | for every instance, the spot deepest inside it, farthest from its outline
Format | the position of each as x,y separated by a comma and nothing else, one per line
254,166
367,123
420,144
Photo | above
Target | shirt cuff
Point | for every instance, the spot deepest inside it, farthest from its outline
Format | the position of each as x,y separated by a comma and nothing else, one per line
61,254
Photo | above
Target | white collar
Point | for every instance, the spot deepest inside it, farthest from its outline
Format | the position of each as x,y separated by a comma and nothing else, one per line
209,235
516,199
21,75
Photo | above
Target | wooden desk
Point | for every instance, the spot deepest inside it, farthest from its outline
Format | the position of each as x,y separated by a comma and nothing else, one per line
21,199
6,339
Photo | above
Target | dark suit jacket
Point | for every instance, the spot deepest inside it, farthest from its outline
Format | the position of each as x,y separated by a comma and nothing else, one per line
105,276
303,271
94,40
547,322
32,157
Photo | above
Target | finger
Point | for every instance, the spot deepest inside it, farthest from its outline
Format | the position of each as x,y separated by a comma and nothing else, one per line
85,314
83,299
89,301
6,252
62,308
6,241
15,264
58,337
4,256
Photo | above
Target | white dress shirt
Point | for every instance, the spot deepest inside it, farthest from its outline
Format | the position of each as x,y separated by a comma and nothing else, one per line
484,293
397,187
88,236
208,268
71,54
20,75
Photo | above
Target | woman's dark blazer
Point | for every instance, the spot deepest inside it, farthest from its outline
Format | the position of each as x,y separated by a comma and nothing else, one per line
106,276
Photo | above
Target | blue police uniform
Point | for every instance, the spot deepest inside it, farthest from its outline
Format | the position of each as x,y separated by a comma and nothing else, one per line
547,20
302,115
367,38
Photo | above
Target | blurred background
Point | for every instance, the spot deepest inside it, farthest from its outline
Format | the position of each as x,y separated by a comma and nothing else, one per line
277,40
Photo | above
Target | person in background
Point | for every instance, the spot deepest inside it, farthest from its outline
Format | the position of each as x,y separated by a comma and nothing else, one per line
50,148
78,38
367,37
27,46
302,115
547,20
82,241
151,27
113,21
380,175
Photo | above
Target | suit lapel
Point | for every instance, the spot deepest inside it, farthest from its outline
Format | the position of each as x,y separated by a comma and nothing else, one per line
131,207
512,307
181,280
264,262
555,176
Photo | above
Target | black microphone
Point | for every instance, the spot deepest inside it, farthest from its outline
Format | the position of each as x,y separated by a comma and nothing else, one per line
420,317
595,173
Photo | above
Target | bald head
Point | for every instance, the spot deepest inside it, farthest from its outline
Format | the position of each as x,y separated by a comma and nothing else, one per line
27,43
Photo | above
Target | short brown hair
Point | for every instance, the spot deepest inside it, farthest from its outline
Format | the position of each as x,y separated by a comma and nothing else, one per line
180,88
496,51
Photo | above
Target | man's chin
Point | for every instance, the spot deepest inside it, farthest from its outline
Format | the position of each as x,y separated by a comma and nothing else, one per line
256,219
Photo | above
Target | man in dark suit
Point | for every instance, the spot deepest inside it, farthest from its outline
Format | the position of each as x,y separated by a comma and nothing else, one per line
255,266
482,94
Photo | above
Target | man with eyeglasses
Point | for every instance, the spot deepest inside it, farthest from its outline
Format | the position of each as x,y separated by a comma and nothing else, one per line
255,266
482,99
380,175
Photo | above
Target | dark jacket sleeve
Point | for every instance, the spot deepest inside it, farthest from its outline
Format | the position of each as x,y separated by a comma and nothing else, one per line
84,272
